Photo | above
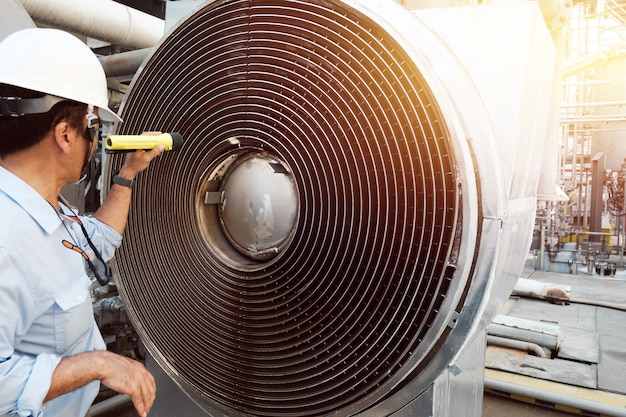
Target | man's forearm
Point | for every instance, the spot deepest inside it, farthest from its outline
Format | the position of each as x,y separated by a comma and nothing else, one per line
74,372
117,372
114,210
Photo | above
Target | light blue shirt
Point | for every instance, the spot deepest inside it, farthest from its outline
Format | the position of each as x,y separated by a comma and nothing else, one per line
45,304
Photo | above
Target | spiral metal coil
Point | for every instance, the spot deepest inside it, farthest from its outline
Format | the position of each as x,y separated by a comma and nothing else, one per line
359,290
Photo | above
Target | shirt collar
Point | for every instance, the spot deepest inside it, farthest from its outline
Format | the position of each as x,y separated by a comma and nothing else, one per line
30,200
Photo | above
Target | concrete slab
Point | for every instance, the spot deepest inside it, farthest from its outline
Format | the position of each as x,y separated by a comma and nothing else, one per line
612,363
556,370
577,316
610,321
579,345
497,405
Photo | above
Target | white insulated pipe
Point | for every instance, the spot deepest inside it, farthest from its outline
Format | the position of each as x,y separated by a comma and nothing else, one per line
542,290
555,398
515,328
516,344
124,63
105,20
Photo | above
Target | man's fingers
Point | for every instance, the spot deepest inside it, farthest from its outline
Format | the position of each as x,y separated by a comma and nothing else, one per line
149,392
143,398
128,376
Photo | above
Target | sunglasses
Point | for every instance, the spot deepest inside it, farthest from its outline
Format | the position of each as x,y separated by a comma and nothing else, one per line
92,130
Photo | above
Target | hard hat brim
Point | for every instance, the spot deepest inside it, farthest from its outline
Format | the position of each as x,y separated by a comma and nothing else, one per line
108,115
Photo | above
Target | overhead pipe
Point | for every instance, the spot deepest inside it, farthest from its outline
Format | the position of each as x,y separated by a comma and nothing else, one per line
588,61
124,63
13,18
104,20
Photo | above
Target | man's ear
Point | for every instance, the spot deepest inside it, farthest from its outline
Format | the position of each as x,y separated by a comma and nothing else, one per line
61,133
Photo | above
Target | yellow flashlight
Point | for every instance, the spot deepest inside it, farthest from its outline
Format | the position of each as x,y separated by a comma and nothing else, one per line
126,143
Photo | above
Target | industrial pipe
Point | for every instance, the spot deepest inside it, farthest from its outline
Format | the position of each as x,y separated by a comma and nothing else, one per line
516,344
555,398
124,63
104,20
13,18
540,333
104,406
581,64
542,290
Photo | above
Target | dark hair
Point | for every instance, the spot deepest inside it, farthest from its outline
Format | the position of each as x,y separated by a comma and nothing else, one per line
17,133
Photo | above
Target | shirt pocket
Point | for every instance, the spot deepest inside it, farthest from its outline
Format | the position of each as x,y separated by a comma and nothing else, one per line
73,316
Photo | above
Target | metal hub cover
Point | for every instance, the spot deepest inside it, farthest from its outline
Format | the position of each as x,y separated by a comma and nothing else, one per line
259,207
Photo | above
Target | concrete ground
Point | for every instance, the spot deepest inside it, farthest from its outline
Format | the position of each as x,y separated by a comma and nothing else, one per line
588,367
493,406
504,407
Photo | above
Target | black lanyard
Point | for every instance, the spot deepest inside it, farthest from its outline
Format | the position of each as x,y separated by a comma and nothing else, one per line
75,247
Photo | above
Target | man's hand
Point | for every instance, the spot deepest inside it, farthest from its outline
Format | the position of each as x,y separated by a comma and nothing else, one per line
128,376
139,160
117,372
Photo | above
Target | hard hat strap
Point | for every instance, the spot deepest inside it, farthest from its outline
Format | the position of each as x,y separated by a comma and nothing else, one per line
13,106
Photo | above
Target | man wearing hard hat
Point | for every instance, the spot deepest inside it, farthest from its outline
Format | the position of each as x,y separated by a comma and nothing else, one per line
52,356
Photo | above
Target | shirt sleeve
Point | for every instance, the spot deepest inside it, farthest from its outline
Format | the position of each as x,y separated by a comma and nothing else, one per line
105,238
24,380
25,383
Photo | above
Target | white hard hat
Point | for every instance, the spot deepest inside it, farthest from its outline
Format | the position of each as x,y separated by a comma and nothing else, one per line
56,63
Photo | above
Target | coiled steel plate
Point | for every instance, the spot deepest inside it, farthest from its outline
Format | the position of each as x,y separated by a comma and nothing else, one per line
357,291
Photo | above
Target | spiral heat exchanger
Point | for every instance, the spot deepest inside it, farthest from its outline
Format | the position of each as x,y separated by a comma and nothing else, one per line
312,248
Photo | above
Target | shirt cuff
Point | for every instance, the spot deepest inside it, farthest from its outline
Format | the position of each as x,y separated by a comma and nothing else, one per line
30,402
